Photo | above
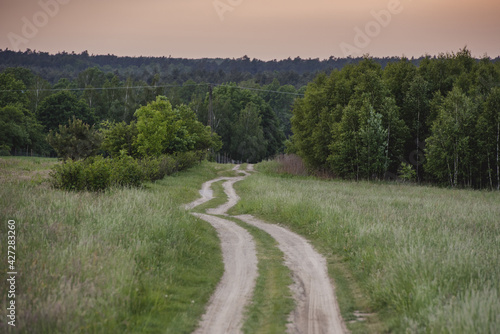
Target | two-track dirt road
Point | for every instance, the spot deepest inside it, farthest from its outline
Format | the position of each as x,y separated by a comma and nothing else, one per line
316,306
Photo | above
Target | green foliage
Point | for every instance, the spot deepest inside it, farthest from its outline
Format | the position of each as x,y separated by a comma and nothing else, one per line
76,140
406,172
248,142
69,175
126,172
248,126
439,117
119,137
374,146
59,108
97,174
12,130
163,130
12,90
19,128
449,154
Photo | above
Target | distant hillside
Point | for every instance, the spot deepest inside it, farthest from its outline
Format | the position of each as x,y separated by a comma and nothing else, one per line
297,71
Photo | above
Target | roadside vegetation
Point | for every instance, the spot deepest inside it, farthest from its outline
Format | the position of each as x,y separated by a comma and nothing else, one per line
425,259
122,260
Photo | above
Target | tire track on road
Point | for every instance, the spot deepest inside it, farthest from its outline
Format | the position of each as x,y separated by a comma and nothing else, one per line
316,309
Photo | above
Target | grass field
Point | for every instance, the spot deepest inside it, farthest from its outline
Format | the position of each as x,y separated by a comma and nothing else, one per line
127,260
424,259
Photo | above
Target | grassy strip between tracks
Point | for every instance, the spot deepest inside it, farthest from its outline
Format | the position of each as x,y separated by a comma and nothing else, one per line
272,300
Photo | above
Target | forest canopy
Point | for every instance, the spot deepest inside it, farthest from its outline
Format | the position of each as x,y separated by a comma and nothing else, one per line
440,119
433,119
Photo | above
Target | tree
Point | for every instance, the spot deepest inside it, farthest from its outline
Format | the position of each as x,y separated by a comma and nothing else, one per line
417,109
249,144
19,128
60,107
119,137
12,132
12,91
345,157
75,141
488,130
449,146
373,156
163,130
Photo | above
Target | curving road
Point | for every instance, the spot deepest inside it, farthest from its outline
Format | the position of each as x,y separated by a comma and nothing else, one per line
316,306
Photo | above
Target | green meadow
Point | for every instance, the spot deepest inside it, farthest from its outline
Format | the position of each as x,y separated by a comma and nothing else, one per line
417,259
404,258
122,261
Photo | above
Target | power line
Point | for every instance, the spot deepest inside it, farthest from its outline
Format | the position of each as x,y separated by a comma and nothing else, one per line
260,89
96,88
144,87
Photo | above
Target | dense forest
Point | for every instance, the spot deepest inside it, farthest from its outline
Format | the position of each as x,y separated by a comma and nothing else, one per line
437,122
297,72
253,121
433,119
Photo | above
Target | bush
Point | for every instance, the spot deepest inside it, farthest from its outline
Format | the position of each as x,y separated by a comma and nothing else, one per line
76,140
68,176
97,174
406,172
126,172
151,169
187,160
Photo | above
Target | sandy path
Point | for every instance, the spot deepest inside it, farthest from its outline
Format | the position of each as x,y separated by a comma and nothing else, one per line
206,193
225,311
317,309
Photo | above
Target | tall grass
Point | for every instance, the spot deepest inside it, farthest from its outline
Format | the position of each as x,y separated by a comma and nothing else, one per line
427,258
126,260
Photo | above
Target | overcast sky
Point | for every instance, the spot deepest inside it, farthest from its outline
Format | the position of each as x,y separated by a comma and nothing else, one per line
264,29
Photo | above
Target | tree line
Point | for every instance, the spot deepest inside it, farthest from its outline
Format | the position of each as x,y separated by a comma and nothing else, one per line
252,120
297,71
436,122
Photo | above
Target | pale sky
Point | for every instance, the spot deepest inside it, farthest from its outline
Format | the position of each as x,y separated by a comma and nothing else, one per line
263,29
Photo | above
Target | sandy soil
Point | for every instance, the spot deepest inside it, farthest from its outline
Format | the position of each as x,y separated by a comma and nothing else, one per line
225,310
317,309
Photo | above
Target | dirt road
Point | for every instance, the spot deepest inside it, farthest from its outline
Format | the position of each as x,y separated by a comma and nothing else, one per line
316,306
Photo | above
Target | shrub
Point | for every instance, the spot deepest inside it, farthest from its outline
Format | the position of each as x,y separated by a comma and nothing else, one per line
168,165
97,174
187,160
68,176
126,172
406,172
76,140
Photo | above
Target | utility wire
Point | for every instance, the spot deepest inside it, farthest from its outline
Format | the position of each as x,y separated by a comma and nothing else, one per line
145,87
259,89
96,88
